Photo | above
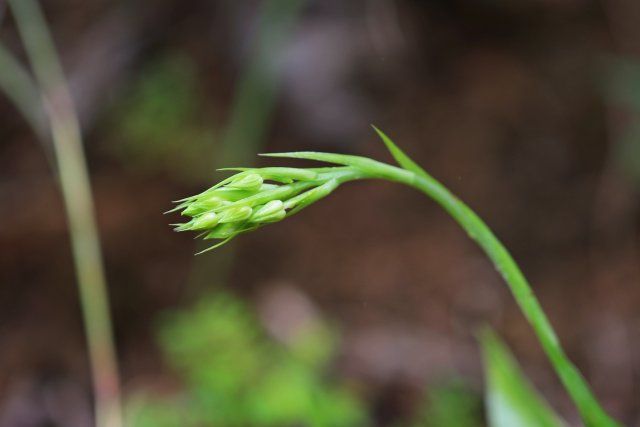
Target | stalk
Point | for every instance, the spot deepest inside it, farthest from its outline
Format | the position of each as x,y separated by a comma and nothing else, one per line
323,181
573,381
76,190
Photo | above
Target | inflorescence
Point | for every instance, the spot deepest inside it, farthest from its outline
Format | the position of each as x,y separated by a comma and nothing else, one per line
254,197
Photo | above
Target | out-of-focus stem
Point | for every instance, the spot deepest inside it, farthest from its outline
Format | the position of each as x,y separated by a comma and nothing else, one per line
257,88
76,191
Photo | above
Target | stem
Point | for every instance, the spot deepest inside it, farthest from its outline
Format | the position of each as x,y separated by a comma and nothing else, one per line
257,89
414,176
589,408
76,191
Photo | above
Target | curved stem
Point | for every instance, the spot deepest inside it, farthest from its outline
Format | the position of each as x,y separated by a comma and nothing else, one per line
589,408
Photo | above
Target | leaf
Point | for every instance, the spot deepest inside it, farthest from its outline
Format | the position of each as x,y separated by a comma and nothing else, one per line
339,159
399,155
368,167
510,399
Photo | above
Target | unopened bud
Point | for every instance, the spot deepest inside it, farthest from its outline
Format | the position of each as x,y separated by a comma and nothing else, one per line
204,221
235,214
249,182
195,208
273,211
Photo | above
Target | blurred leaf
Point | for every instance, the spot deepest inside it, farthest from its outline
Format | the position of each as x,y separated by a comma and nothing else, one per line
162,125
451,405
143,411
623,93
510,398
258,84
235,375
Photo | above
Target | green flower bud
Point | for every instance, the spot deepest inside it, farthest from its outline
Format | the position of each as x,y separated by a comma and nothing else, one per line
273,211
212,201
195,208
204,221
244,202
235,214
249,182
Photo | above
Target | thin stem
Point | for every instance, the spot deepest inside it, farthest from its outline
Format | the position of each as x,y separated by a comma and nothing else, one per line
76,191
589,408
256,93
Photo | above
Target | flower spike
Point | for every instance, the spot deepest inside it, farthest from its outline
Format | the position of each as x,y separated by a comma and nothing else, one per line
245,201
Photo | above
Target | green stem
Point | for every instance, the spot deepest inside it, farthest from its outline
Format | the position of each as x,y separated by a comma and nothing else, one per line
78,200
414,176
589,408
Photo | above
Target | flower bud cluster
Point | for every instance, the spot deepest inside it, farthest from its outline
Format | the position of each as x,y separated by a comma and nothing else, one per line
252,198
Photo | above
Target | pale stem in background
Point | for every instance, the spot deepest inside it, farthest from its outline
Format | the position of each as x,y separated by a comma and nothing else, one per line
78,200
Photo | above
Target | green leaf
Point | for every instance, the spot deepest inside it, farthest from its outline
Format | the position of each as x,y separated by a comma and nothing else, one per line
510,399
368,167
339,159
399,155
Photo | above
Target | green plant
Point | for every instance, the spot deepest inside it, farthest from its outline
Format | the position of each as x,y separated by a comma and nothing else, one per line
244,202
235,375
451,404
162,123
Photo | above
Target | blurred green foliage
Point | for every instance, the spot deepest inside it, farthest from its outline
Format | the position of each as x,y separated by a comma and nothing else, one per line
623,93
162,124
234,375
451,404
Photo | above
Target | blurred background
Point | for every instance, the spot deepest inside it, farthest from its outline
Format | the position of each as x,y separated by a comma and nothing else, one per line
528,110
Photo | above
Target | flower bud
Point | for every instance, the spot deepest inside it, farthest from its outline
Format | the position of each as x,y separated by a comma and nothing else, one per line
273,211
194,208
248,182
204,204
204,221
235,214
212,201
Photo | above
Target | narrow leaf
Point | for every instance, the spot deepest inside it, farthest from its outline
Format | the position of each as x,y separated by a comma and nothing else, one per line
399,155
510,399
340,159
